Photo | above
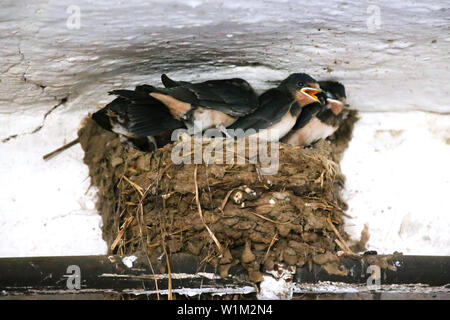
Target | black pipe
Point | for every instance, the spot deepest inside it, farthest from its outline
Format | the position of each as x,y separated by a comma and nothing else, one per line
397,269
105,274
114,274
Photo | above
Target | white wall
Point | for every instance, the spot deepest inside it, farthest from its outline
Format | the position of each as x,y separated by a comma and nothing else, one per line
396,63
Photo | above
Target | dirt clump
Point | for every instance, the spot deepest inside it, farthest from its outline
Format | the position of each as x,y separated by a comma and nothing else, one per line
226,214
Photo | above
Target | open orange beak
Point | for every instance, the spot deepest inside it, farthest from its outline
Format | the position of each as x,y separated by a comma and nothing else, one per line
311,92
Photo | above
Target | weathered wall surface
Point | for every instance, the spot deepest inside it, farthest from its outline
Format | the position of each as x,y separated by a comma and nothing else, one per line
59,59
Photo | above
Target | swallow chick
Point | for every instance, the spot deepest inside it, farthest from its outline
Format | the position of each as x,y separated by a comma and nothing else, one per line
319,121
138,118
337,100
334,90
280,107
212,103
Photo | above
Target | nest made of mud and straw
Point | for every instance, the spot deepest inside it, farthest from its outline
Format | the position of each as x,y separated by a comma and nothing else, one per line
225,214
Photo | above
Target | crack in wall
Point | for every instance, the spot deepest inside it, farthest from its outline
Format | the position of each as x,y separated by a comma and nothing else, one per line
24,75
12,65
38,128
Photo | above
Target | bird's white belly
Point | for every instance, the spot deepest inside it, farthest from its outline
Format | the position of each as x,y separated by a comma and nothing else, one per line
312,132
124,134
119,129
210,118
278,130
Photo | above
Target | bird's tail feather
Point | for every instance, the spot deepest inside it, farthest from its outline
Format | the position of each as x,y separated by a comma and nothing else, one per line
151,120
146,116
102,119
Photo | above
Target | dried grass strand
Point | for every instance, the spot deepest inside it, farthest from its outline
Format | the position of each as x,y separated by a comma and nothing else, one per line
200,213
346,248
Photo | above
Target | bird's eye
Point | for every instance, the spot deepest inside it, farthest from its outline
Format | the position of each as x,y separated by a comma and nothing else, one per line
300,84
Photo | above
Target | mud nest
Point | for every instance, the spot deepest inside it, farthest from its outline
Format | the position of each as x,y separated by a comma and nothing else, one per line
225,214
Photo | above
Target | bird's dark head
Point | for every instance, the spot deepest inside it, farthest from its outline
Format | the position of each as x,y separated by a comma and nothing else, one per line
303,88
335,90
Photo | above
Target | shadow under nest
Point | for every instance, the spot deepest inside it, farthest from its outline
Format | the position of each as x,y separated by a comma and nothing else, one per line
240,218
